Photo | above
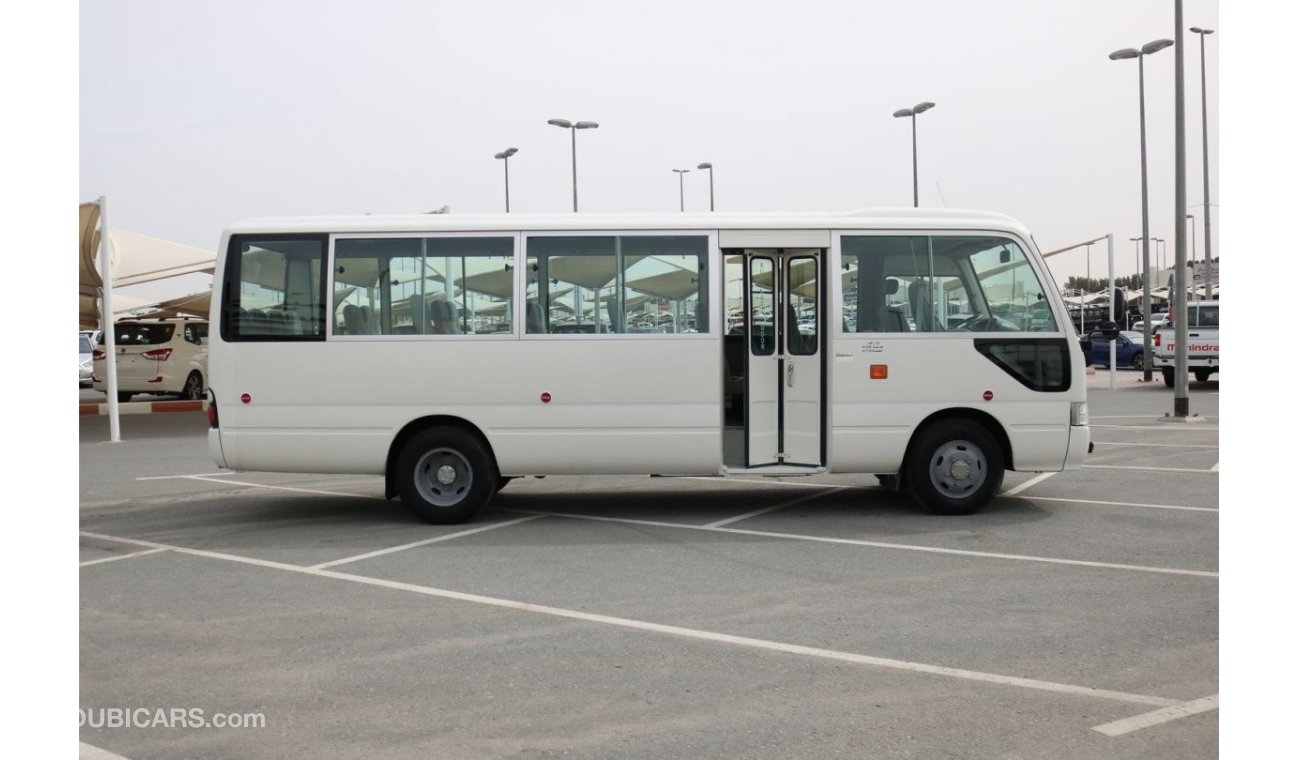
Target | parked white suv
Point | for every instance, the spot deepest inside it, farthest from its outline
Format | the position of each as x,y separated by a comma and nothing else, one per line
156,356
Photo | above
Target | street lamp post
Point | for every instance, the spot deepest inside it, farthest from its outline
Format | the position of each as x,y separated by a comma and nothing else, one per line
1193,237
573,133
505,156
681,188
919,108
1147,49
709,166
1160,253
1205,157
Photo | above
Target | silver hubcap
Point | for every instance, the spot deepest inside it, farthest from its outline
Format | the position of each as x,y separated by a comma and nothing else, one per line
958,469
443,477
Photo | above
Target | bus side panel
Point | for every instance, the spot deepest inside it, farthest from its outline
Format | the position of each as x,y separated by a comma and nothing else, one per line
873,420
616,406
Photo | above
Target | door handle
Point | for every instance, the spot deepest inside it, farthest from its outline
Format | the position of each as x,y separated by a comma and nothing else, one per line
789,375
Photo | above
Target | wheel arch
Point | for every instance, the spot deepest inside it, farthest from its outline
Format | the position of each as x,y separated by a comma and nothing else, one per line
984,419
415,427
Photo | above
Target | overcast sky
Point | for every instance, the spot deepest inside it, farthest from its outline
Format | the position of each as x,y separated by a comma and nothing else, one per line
194,116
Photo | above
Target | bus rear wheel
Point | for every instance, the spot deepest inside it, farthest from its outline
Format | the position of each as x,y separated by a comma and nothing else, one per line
444,475
954,468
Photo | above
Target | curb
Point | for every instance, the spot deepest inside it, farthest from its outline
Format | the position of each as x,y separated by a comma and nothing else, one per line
145,407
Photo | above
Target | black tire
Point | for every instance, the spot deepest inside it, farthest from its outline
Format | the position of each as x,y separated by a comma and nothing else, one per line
1202,375
1168,373
193,390
939,486
124,396
502,482
429,459
888,481
1137,361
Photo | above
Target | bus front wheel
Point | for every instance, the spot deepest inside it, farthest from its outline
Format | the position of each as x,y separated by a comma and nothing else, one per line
445,475
955,467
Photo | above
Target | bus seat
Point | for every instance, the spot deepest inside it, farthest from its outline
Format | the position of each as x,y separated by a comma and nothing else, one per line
365,320
918,295
534,320
443,316
416,302
611,309
351,320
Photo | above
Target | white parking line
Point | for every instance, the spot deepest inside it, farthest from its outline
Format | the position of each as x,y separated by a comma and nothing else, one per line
1039,478
195,475
773,508
880,545
1119,503
672,630
284,488
426,542
91,752
102,560
1144,469
1157,717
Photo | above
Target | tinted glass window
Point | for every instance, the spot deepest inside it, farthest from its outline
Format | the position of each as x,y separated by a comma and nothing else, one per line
1042,364
1207,316
802,291
424,286
762,307
141,333
604,284
940,284
274,289
86,347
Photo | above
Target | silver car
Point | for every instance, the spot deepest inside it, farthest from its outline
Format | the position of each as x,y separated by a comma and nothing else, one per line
87,367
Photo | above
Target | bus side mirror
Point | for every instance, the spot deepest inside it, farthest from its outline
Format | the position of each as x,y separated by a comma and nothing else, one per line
1109,330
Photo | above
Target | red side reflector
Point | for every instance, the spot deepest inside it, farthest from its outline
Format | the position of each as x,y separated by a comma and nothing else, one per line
161,354
879,371
1155,339
212,411
97,354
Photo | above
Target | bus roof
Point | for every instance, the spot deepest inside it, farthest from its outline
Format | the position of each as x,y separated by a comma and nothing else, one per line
880,218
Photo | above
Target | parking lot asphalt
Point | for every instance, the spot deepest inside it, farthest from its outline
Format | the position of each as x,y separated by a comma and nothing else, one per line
1076,616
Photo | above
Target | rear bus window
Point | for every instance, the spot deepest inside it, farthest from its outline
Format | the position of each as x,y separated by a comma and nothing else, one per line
273,289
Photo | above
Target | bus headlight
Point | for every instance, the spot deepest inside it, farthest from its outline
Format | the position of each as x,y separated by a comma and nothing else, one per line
1079,413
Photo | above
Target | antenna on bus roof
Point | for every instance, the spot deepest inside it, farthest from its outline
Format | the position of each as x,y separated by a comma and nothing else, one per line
940,189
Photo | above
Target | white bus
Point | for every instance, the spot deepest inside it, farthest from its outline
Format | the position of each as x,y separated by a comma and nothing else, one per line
453,353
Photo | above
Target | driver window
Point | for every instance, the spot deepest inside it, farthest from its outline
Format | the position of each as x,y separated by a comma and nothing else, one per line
1013,296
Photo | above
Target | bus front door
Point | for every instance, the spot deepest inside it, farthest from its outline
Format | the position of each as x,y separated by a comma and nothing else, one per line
784,324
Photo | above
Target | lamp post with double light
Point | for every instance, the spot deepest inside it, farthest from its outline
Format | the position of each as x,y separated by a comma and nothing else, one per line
1127,53
505,156
573,132
912,112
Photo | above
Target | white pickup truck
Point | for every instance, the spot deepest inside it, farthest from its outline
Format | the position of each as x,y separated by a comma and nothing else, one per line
1202,343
